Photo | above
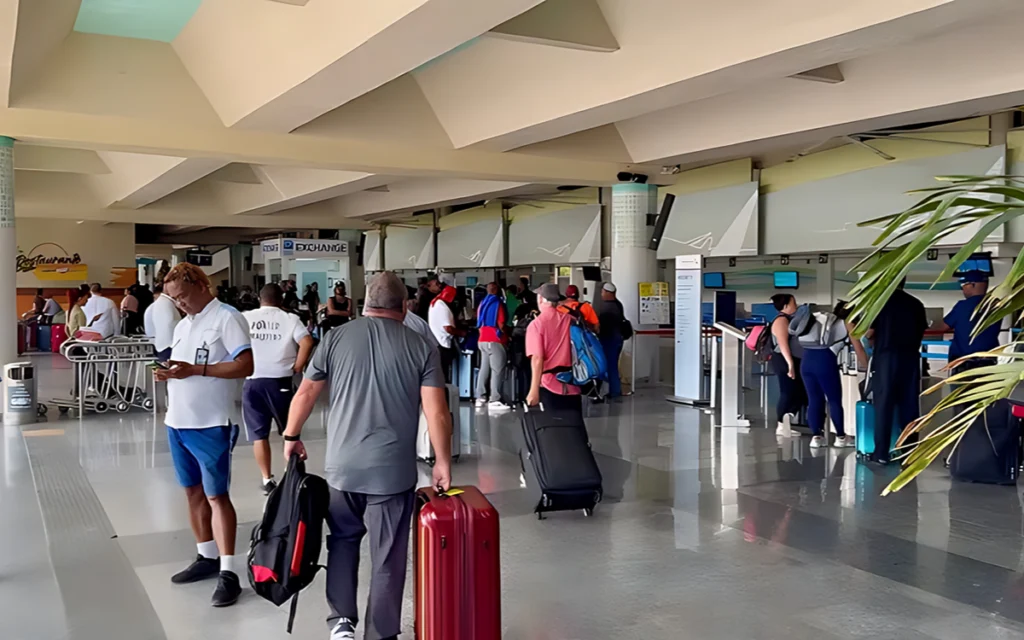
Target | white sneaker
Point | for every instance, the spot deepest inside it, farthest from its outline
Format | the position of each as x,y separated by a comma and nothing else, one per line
843,442
344,630
481,402
497,406
784,431
818,442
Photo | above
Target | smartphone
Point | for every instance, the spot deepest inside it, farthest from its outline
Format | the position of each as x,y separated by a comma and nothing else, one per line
157,365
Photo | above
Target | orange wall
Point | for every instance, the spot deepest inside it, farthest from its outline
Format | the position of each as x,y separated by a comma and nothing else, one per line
26,295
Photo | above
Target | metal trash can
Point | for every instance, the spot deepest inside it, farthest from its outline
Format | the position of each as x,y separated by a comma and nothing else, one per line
19,383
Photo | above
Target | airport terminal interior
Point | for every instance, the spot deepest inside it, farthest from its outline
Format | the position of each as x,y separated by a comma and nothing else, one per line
690,159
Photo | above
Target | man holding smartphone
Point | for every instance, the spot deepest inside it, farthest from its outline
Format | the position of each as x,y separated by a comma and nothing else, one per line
378,372
210,348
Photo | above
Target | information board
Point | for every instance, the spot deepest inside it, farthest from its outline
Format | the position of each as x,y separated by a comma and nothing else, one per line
688,365
654,303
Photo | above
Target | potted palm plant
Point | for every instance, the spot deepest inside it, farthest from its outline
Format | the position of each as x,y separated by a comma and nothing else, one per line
989,201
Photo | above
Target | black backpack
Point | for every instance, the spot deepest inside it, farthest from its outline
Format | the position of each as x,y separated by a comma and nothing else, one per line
284,551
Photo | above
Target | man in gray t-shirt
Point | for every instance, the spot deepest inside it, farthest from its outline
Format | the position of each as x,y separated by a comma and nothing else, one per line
378,372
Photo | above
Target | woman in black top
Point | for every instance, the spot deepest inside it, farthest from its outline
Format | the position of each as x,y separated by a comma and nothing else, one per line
339,308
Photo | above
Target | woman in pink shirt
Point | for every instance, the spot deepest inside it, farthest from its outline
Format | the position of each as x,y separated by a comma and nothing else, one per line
550,349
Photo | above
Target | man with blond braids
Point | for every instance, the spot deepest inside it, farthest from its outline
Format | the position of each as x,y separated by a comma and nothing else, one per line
209,350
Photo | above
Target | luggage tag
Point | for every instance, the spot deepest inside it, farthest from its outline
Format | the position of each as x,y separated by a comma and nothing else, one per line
451,493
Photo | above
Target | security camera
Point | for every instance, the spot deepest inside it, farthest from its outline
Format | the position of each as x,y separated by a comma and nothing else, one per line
625,176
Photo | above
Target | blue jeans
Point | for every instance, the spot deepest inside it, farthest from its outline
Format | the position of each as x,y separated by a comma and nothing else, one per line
612,346
820,372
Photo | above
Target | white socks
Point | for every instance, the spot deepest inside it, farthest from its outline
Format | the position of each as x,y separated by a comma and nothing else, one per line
208,549
267,481
230,563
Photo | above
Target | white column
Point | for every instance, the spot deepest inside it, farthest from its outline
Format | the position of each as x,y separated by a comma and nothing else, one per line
8,254
632,261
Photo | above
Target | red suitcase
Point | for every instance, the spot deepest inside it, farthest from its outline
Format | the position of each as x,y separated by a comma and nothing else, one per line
58,336
458,574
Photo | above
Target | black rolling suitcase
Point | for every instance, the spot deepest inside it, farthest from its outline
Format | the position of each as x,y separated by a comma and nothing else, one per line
989,452
557,462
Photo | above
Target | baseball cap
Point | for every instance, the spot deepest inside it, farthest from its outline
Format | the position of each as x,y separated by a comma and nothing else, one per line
609,287
549,292
973,277
572,291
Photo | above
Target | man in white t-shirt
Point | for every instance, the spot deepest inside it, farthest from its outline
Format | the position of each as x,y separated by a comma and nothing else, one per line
210,349
280,349
442,323
101,314
160,319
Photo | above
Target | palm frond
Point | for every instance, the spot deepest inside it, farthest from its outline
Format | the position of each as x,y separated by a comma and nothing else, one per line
989,202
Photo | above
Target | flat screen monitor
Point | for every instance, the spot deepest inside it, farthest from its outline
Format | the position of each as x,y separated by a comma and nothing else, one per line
592,274
787,280
714,280
977,262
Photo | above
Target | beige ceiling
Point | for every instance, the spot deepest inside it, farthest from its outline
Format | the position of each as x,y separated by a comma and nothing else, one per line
327,114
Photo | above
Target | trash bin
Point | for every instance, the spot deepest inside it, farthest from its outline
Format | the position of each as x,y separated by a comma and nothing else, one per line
19,383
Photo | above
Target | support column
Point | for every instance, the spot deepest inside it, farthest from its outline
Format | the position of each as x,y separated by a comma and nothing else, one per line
632,261
8,254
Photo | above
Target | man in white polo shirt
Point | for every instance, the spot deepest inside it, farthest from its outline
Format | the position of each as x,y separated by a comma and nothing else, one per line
210,348
160,319
281,348
101,314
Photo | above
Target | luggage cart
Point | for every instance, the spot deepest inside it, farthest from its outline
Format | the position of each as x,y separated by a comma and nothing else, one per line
110,374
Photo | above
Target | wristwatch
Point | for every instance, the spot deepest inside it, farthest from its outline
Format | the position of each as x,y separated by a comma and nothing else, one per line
288,438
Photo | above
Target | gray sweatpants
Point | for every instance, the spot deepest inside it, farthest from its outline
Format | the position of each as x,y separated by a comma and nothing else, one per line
492,367
387,520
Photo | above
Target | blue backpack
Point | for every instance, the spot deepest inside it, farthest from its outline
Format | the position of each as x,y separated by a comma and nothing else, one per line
588,361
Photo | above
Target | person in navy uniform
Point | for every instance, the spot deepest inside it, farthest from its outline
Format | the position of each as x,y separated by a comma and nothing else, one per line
961,322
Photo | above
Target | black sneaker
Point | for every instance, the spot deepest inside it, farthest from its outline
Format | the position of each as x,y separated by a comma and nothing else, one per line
227,591
343,630
268,487
201,569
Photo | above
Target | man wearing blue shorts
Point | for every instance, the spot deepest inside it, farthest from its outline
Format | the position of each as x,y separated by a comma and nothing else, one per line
280,349
210,348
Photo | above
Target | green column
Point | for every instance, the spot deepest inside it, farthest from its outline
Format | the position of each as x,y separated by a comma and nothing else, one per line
8,255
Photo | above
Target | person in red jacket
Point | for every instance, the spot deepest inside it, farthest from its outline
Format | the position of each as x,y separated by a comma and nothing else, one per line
492,321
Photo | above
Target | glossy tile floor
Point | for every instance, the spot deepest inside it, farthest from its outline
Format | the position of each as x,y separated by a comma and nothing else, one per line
705,533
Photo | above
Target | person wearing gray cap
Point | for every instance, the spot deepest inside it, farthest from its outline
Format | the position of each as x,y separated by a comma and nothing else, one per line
612,318
961,322
378,372
549,348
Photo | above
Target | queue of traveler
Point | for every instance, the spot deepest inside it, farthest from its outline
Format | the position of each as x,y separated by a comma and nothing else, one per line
805,360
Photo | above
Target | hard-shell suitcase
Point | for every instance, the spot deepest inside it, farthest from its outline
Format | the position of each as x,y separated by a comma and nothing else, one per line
989,450
866,429
43,337
58,337
425,450
558,463
510,387
26,337
457,566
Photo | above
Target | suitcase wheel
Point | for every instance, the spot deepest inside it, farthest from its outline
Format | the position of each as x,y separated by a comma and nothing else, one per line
455,458
588,512
540,515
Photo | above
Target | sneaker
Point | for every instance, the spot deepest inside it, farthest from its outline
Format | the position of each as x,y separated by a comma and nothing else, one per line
497,406
818,442
344,630
201,569
268,486
481,402
783,430
227,591
843,442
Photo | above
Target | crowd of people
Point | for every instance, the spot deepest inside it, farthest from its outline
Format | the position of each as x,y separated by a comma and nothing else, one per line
805,361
